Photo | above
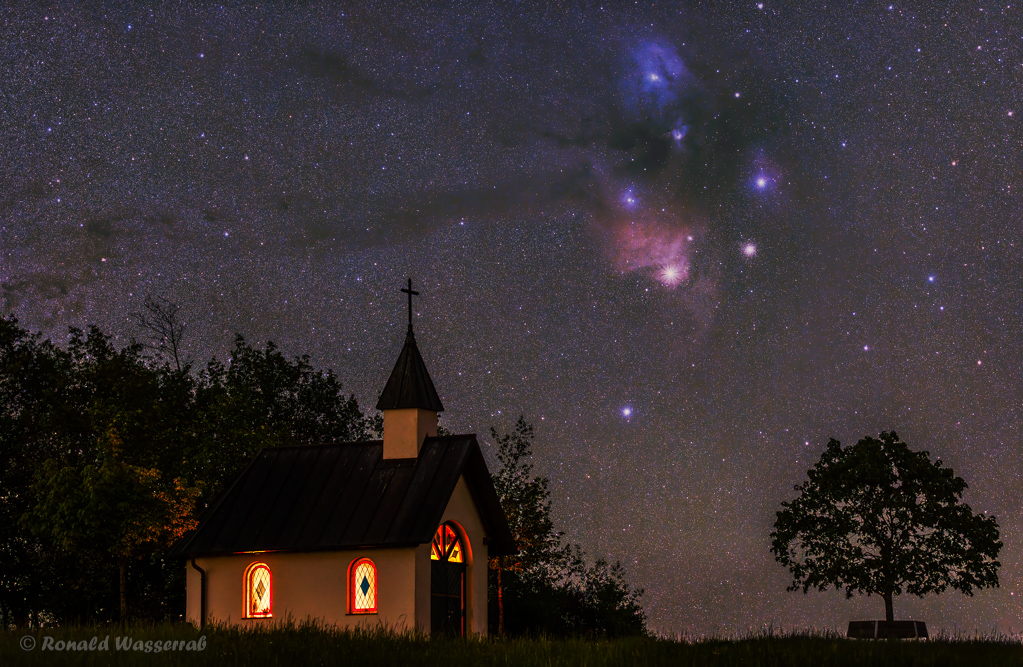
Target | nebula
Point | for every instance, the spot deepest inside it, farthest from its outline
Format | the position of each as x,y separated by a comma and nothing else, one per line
655,249
655,90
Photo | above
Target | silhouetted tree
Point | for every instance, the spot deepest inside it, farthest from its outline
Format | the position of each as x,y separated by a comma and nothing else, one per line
879,518
525,499
547,587
262,399
160,320
34,382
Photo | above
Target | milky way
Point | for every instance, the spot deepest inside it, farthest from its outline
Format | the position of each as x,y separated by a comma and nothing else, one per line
689,245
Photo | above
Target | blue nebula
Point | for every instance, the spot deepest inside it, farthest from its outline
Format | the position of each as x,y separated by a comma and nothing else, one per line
655,90
629,199
662,74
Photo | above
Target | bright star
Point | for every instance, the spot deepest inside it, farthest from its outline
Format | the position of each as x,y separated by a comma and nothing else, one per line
750,250
761,182
671,275
629,199
930,279
626,412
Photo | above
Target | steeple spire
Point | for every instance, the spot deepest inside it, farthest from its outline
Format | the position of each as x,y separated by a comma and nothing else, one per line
410,385
409,401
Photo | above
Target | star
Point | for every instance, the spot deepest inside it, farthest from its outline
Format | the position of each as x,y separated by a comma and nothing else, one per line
750,250
629,199
671,275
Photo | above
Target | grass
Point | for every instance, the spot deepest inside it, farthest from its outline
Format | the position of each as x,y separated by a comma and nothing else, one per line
311,645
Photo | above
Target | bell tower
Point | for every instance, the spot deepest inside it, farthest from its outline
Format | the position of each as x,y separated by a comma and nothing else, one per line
409,401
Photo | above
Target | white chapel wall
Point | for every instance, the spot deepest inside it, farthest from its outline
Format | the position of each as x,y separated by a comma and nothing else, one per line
307,586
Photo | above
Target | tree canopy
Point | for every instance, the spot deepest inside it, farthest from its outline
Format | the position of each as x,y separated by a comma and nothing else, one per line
881,519
108,454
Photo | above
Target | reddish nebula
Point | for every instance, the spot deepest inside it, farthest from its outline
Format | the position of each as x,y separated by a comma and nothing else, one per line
656,249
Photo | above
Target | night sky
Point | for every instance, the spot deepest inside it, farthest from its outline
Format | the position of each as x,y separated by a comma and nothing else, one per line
690,244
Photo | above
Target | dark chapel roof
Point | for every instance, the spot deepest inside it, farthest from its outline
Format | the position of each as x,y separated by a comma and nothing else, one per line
410,385
329,497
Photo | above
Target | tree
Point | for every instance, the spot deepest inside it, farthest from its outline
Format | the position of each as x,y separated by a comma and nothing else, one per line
32,373
879,518
602,602
160,320
104,453
547,587
112,510
262,399
526,503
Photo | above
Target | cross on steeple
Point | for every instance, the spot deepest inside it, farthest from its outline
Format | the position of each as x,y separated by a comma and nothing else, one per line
410,295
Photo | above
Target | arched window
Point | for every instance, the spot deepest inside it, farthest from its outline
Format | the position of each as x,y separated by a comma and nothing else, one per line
362,587
258,591
446,545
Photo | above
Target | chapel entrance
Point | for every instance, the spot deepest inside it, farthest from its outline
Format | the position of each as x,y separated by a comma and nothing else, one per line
447,583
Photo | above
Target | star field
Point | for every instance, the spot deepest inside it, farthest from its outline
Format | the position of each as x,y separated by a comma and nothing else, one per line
689,245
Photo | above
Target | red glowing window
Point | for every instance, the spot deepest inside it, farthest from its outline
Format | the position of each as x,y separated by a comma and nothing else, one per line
258,591
362,587
446,545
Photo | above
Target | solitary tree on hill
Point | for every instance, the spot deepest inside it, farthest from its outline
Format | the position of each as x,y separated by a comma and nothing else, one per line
879,518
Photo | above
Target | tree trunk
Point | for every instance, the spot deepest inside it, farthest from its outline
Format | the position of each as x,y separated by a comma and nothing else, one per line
122,571
500,604
889,613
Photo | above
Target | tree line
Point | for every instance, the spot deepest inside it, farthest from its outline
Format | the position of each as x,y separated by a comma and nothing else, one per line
109,454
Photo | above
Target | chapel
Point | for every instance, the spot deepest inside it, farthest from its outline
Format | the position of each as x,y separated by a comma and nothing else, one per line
393,532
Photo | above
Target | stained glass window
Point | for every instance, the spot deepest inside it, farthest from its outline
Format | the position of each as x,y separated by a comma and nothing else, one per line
362,587
258,591
446,545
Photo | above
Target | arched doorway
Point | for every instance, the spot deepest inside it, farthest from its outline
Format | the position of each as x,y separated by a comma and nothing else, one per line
447,582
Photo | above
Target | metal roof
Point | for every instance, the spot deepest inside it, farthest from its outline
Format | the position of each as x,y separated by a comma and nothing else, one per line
342,496
410,385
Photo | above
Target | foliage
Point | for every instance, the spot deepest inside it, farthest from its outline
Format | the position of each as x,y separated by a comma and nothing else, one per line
525,499
261,399
107,455
110,510
879,518
547,587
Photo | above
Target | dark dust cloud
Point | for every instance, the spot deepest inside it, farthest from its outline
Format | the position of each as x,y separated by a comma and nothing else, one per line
689,244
